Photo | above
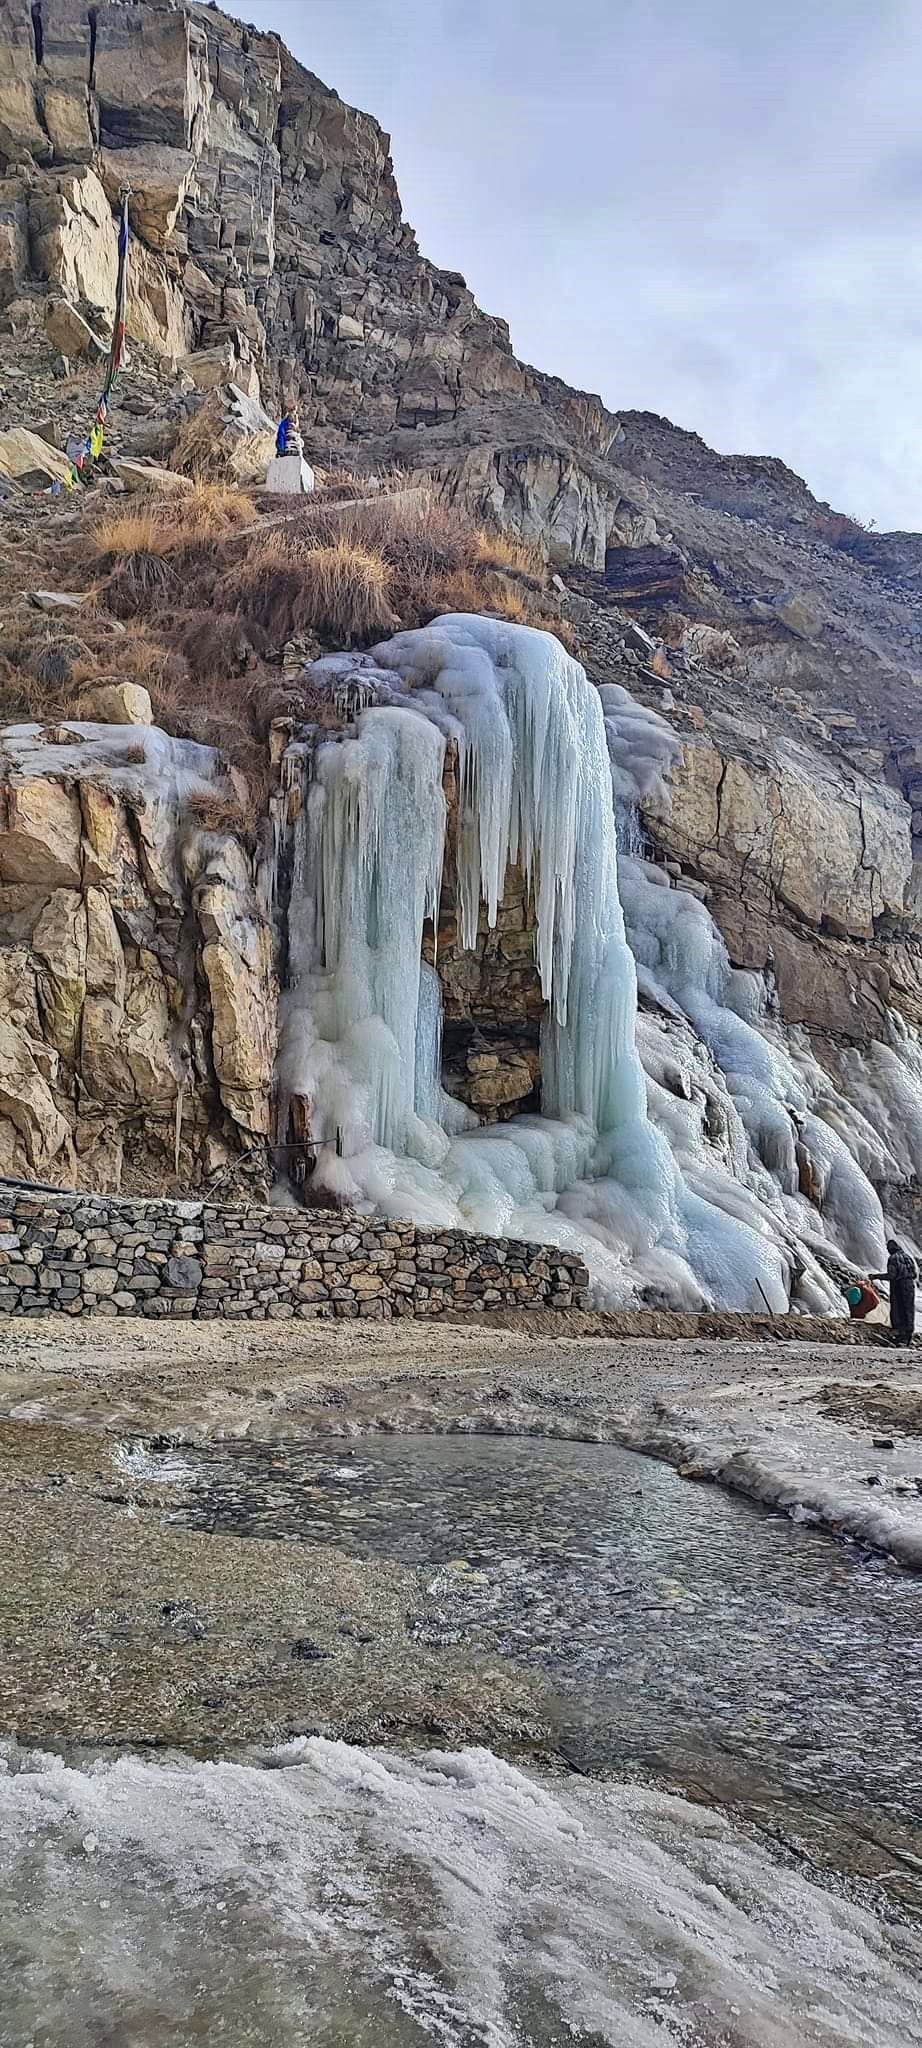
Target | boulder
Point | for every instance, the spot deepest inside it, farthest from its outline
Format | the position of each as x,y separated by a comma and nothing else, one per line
208,367
14,231
125,1050
799,615
159,178
150,476
25,456
242,1033
54,602
498,1081
73,336
27,1107
40,834
106,836
118,704
59,941
66,115
105,960
229,436
237,959
156,313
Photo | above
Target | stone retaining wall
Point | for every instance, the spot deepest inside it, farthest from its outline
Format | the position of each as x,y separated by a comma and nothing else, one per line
90,1254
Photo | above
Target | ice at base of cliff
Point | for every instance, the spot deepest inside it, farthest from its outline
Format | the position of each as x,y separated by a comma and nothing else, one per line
385,1900
682,1181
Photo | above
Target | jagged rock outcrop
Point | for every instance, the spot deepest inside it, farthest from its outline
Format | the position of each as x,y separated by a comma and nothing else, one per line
808,871
138,998
270,228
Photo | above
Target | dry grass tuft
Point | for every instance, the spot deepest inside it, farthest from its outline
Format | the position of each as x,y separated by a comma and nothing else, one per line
507,551
216,813
340,591
156,526
344,483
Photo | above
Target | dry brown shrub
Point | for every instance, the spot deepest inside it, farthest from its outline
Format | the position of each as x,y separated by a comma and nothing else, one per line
56,659
164,526
340,591
216,813
509,551
214,644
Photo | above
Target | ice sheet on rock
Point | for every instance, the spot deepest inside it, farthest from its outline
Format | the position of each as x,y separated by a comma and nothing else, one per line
355,1895
884,1083
643,747
137,759
794,1121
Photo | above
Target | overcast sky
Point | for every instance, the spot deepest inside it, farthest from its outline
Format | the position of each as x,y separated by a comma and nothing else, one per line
710,209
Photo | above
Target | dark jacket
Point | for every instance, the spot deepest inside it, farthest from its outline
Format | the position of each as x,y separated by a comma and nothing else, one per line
901,1269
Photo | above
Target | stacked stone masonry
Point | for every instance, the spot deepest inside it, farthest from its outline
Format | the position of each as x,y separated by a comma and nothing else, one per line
97,1255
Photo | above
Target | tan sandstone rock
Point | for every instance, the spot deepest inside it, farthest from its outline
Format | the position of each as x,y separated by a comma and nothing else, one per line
27,1107
118,704
68,331
59,941
73,237
230,436
40,839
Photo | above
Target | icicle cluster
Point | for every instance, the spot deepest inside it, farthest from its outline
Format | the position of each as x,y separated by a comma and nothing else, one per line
681,1180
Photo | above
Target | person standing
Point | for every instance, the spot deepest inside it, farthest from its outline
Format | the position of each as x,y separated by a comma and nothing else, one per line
902,1276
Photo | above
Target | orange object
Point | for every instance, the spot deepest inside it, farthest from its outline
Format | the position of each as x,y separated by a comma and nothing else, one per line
868,1299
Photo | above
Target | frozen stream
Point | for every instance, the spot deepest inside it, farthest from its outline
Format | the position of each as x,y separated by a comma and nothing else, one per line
685,1631
358,1897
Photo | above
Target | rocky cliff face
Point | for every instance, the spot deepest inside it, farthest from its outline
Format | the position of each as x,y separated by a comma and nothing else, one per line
781,642
274,243
137,1038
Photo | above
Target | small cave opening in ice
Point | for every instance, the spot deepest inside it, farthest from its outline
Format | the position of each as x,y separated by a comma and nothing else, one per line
682,1143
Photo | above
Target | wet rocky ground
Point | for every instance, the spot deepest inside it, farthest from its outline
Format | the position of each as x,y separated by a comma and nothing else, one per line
123,1626
235,1560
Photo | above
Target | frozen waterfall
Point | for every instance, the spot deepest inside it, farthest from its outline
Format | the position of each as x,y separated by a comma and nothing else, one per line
646,1199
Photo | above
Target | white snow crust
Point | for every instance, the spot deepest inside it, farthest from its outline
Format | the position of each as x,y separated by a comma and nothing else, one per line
360,1896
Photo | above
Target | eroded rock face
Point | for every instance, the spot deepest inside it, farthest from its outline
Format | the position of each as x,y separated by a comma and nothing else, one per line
808,871
270,240
787,830
136,972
